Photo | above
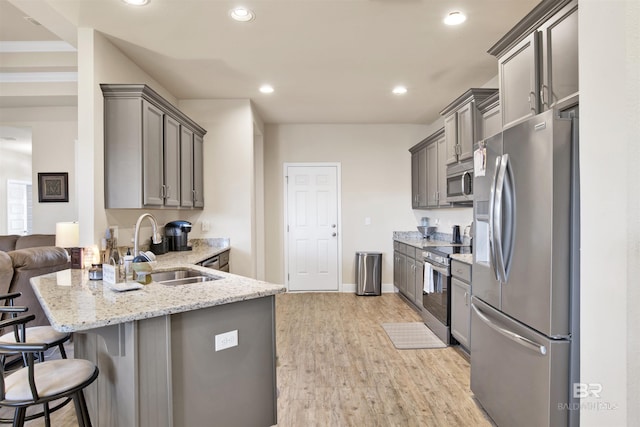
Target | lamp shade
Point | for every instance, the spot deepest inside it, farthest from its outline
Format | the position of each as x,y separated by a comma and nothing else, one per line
67,234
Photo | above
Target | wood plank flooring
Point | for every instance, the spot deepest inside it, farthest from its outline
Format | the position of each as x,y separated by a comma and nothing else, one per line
337,367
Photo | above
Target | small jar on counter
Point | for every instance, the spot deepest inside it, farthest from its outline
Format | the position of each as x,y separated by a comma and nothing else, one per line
95,272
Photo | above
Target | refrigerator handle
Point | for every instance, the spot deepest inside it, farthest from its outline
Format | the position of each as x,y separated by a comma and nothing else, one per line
519,339
492,208
509,221
497,218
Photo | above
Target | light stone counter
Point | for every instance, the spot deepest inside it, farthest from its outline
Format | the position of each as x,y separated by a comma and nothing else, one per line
466,258
73,303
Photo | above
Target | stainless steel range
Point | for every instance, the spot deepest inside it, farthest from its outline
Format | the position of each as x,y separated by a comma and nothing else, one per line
436,298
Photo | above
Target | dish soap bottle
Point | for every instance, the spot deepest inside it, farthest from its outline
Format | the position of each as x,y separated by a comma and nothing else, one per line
128,270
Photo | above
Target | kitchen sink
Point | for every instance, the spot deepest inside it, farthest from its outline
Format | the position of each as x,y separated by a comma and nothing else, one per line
182,277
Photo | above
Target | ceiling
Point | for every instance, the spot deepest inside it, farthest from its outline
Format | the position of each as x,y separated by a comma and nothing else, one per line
330,61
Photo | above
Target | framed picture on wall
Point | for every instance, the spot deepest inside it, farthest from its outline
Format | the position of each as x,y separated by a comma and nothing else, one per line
53,187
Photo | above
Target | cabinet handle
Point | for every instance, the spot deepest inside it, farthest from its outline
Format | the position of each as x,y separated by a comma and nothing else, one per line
542,101
532,107
466,298
195,195
163,191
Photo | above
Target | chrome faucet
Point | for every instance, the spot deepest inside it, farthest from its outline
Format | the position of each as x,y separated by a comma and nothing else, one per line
136,235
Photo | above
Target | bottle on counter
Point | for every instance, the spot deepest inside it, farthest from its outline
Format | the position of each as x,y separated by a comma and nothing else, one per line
128,269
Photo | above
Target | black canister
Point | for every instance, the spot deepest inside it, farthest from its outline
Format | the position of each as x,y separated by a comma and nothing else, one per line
457,238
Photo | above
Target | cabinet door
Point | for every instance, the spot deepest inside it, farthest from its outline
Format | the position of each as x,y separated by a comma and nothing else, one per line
442,172
402,268
419,282
460,311
171,161
432,175
198,171
451,135
518,77
466,130
559,53
186,168
410,290
491,122
422,178
152,150
397,272
415,173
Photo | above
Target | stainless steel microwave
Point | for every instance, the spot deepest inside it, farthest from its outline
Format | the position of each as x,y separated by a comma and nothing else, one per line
460,182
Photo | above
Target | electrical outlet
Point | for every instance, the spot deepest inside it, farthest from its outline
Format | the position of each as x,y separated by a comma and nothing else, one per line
205,225
226,340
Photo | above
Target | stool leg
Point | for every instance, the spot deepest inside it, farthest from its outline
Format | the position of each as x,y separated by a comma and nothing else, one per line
63,353
82,412
47,414
18,417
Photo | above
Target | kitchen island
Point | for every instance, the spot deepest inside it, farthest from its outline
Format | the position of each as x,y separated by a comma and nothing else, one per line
156,347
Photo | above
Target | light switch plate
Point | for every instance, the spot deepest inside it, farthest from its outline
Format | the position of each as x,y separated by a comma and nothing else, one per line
226,340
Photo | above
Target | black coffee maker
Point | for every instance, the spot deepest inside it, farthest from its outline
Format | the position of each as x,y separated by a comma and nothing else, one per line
176,233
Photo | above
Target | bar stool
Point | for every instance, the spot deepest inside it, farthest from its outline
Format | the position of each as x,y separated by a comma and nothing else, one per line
43,382
38,334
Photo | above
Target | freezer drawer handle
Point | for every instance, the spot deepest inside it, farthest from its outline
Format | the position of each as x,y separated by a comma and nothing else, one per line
509,334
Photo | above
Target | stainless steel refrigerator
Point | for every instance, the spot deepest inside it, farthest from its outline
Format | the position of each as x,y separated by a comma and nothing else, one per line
525,284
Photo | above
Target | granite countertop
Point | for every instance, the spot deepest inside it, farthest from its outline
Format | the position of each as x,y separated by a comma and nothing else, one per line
200,252
424,243
73,303
466,258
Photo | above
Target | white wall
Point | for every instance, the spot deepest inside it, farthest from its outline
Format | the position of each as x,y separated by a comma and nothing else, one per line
54,131
376,183
609,38
99,61
229,176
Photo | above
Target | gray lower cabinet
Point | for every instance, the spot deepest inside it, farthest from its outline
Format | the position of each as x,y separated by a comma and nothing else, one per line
538,61
461,303
153,152
408,272
166,371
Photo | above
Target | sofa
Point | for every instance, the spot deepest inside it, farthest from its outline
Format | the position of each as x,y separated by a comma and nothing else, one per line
24,257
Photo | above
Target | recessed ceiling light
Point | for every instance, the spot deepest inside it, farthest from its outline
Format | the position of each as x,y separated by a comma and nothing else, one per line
455,18
399,90
242,14
266,89
136,2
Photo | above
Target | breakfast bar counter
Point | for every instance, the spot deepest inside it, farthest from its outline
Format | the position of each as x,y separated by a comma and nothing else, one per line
171,355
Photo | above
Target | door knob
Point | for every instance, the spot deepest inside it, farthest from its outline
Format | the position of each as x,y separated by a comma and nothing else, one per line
333,226
334,234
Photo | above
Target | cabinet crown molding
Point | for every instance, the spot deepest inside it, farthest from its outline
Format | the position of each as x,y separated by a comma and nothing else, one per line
543,11
428,140
477,94
110,90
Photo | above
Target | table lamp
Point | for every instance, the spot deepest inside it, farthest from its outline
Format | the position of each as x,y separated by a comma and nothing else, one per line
68,237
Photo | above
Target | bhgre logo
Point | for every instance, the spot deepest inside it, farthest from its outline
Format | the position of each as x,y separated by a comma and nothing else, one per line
586,390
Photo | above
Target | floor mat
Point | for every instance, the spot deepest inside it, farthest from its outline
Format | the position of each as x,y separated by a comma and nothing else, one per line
412,335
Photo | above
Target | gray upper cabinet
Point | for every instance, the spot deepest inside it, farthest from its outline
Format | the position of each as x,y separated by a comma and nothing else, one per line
198,172
462,124
428,172
171,161
491,116
186,168
419,178
538,61
153,152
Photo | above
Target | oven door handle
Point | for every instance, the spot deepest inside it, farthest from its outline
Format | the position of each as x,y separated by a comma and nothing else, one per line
441,270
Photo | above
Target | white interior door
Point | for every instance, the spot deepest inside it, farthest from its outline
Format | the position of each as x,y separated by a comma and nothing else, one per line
18,207
312,228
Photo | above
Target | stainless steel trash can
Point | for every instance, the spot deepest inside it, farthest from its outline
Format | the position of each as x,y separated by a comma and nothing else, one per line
368,273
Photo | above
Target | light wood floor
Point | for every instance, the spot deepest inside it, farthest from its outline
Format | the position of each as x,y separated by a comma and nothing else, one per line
337,367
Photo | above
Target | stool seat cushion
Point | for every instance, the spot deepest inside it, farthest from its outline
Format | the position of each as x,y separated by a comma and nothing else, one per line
52,378
39,334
